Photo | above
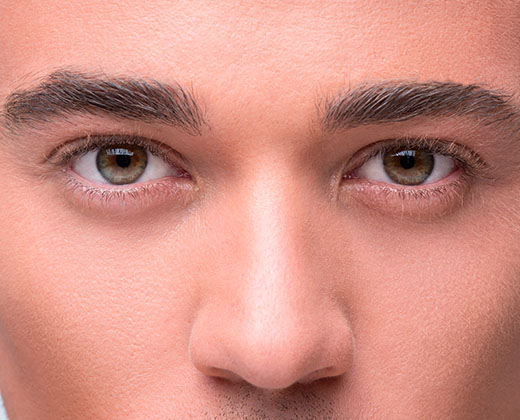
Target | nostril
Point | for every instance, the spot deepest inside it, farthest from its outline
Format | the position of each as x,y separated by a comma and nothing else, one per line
319,374
271,347
222,373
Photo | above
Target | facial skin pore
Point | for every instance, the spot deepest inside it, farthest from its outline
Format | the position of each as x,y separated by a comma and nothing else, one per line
264,276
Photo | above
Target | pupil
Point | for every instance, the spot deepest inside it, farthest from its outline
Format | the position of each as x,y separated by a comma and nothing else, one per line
407,161
123,160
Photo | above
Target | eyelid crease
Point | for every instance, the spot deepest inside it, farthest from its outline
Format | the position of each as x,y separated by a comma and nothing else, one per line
470,161
63,154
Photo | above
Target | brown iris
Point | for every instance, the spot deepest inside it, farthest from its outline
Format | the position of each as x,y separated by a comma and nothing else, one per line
121,164
408,167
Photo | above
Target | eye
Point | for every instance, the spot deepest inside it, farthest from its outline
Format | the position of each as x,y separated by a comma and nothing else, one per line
123,164
417,177
118,173
406,166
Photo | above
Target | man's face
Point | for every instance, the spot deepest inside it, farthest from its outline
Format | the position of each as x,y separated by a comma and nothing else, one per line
284,210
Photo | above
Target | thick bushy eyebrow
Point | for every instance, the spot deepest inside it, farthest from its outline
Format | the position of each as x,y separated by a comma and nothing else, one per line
67,93
390,102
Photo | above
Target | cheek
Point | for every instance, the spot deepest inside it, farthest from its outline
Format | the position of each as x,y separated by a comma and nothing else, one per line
433,306
436,314
79,298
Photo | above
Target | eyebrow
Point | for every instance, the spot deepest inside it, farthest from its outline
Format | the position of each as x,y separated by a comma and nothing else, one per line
391,102
67,93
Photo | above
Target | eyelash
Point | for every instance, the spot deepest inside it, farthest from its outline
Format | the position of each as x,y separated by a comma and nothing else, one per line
65,153
469,163
438,197
146,194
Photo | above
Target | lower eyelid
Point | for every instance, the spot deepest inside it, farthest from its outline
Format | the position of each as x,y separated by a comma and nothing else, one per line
133,198
417,203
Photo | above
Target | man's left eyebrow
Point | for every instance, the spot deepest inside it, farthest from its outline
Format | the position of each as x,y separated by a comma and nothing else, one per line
392,102
66,93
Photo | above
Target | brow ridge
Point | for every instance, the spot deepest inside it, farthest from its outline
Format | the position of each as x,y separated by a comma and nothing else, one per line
397,101
64,93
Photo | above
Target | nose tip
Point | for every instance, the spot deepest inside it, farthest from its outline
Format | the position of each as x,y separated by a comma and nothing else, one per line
271,356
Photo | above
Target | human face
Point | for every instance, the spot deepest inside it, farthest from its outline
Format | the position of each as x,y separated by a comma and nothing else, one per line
268,268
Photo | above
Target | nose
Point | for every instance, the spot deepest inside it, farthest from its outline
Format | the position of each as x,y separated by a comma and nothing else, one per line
270,317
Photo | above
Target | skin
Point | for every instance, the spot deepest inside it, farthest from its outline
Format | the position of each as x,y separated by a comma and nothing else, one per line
266,287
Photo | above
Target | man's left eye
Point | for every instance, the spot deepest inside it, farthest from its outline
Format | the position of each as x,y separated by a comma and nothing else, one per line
406,167
122,164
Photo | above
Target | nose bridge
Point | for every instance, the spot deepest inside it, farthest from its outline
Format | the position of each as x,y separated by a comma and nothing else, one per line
277,291
277,238
276,326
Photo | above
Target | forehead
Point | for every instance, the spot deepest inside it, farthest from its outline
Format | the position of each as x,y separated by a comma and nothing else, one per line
264,50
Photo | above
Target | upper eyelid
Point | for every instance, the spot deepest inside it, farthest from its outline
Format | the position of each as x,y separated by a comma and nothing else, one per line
69,150
470,161
467,158
433,145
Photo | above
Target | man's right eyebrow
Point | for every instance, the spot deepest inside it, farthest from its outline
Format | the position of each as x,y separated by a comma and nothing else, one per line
66,93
